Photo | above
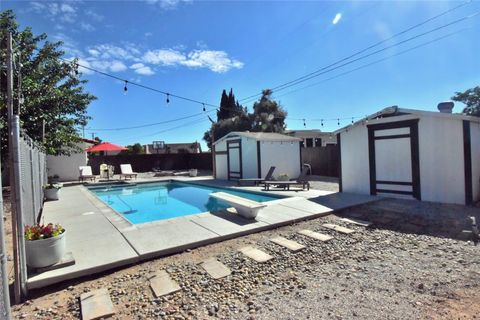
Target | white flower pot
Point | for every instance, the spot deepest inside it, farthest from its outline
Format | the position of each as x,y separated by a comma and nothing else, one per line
192,172
51,193
45,252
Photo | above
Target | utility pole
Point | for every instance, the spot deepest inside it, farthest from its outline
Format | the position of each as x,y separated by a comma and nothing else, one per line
17,286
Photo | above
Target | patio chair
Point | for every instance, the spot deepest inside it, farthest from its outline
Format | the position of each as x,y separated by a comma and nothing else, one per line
300,181
257,181
126,171
85,173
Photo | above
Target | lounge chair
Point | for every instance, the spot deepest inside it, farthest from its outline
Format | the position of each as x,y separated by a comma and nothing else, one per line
127,172
245,207
300,181
85,173
257,181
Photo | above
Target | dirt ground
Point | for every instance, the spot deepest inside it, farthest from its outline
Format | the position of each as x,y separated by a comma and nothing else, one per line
373,273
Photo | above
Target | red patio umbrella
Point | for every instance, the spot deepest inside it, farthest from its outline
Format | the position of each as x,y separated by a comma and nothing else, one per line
105,146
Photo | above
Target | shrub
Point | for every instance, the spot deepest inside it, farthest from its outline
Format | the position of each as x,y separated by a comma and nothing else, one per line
38,231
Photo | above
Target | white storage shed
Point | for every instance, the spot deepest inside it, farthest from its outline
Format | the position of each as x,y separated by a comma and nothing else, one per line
430,156
242,155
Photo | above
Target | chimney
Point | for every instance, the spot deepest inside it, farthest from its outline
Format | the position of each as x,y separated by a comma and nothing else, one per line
445,107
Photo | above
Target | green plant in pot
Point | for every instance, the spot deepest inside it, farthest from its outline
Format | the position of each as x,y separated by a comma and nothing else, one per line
44,244
283,177
51,191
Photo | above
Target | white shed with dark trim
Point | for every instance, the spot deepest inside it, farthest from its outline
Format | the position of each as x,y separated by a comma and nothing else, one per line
243,155
430,156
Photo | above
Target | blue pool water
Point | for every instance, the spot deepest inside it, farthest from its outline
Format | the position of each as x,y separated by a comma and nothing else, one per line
164,200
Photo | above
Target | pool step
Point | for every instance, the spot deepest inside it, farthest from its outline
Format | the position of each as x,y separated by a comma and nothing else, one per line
96,305
358,222
338,228
315,235
256,254
162,284
215,269
289,244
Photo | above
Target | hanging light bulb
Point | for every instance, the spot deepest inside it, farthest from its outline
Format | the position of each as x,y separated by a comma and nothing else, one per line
366,119
352,120
168,97
338,121
321,122
125,89
204,109
304,124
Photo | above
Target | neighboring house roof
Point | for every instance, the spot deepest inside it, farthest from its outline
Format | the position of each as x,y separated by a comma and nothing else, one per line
89,141
259,136
395,111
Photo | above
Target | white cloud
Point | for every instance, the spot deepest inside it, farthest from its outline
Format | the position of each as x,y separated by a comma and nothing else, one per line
64,12
167,4
165,57
217,61
86,26
109,51
142,69
95,16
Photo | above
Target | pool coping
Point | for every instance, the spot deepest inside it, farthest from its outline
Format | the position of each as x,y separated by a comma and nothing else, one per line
88,191
156,239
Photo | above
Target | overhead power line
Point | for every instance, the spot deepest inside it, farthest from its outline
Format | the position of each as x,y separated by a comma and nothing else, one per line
309,75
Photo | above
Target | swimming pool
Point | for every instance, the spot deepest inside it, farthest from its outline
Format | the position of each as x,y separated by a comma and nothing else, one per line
149,202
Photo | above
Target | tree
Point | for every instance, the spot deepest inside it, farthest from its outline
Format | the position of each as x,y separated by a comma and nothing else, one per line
231,116
471,99
268,115
52,91
136,148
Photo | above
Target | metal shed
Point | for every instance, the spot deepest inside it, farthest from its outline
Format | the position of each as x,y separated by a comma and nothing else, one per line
426,155
241,155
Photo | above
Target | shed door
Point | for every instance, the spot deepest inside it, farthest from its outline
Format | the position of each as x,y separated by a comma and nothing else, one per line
394,159
234,154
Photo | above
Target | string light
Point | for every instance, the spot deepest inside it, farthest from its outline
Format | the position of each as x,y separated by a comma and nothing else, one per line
321,123
168,97
204,109
338,121
352,120
125,89
304,124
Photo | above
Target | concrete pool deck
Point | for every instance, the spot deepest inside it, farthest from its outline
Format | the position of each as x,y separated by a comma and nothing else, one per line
100,239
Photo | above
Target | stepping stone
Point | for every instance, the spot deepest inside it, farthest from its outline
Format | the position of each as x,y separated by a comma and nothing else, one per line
255,254
358,222
289,244
338,228
315,235
162,284
215,269
96,304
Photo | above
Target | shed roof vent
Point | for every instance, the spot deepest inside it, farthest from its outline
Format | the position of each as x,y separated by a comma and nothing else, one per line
445,107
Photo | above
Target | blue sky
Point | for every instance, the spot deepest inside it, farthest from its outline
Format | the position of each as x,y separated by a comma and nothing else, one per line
197,48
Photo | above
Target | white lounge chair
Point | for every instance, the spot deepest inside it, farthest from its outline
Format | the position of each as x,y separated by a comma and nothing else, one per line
85,173
127,171
246,208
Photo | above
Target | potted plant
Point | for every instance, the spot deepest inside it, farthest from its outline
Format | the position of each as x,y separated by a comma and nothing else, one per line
51,191
54,179
44,245
192,172
283,177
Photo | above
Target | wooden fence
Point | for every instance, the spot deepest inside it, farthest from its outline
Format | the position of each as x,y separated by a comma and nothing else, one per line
324,160
146,162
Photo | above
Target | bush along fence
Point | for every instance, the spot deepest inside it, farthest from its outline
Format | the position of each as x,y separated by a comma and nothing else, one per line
148,162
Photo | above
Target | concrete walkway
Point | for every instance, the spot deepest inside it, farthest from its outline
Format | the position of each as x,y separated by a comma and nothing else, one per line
100,239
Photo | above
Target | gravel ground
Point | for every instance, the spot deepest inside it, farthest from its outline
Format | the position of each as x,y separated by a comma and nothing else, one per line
371,274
